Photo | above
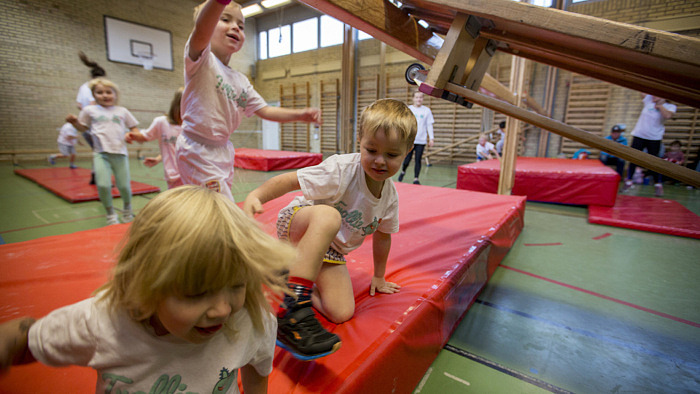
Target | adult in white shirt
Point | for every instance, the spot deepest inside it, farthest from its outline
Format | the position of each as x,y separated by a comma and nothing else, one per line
648,132
424,136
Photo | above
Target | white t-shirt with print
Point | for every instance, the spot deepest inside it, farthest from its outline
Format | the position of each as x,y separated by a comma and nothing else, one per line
67,131
84,95
424,117
650,124
108,125
485,150
339,181
167,134
215,98
129,357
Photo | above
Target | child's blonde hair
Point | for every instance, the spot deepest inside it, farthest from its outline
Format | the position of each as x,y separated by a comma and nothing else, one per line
198,8
174,115
192,240
388,115
106,83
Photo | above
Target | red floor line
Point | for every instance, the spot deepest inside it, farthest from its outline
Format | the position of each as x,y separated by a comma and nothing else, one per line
641,308
602,236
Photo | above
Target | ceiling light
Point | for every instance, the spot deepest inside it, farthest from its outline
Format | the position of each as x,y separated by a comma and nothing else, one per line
251,10
274,3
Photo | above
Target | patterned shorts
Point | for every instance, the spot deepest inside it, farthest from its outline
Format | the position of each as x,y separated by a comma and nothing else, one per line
284,218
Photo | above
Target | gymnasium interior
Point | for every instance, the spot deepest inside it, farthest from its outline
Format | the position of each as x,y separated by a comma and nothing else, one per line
559,281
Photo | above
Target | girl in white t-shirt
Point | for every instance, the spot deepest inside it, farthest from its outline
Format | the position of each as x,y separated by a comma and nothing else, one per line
185,308
166,129
108,123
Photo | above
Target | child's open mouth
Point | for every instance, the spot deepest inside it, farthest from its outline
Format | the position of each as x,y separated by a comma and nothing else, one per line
209,330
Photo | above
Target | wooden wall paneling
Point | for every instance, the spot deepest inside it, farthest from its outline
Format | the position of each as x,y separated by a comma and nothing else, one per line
295,136
586,109
330,109
682,127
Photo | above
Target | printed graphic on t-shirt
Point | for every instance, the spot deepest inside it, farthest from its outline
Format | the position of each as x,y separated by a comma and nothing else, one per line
170,140
241,99
102,119
213,185
167,384
353,219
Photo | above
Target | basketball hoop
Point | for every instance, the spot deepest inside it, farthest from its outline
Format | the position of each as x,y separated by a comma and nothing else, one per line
146,59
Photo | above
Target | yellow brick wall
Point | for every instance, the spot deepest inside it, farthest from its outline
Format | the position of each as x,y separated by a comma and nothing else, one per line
41,71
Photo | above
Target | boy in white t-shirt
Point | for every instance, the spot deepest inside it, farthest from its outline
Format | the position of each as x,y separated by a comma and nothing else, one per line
345,198
67,137
424,135
484,149
216,98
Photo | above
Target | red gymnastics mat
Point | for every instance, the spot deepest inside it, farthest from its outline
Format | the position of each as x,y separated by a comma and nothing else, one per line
73,184
274,160
565,181
648,214
442,256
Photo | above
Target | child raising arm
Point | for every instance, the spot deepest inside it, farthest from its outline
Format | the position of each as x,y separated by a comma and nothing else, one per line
186,304
345,198
216,98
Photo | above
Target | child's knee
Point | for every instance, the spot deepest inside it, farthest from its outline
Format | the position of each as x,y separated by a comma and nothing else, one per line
328,217
341,314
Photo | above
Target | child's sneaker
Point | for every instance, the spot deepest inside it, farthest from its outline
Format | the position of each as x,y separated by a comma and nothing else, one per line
658,190
112,219
51,159
416,181
72,166
127,216
401,175
300,333
627,186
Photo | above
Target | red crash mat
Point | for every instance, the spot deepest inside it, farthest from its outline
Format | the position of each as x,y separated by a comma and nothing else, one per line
566,181
73,185
449,244
649,214
274,160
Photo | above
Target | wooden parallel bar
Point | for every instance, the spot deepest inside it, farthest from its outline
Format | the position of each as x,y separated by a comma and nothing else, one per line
645,160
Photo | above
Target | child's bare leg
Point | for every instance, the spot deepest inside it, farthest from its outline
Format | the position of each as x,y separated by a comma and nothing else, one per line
333,296
312,230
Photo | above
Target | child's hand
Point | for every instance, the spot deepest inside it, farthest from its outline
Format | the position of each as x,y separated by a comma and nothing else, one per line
71,119
252,206
311,115
129,137
13,343
151,161
382,286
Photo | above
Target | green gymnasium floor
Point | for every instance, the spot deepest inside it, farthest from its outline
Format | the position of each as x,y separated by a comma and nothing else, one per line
618,314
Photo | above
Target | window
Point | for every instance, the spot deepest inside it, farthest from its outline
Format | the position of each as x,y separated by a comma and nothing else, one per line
305,35
262,40
331,31
362,35
279,41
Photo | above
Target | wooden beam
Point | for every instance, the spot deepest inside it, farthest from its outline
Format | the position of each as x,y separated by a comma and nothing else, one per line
640,58
451,61
506,179
645,160
460,142
385,22
347,94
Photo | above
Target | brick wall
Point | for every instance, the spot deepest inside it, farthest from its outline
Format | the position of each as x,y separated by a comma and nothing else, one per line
41,72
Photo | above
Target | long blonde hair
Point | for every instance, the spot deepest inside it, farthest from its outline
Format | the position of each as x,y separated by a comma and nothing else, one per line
389,115
191,240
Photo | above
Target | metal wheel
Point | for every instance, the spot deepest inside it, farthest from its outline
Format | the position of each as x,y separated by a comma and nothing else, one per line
412,72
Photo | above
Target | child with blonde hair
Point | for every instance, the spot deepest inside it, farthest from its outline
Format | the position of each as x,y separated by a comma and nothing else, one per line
166,129
345,198
108,123
217,97
185,308
67,138
484,149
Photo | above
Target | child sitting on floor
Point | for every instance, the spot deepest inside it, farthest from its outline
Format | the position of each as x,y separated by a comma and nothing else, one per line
484,149
345,198
185,308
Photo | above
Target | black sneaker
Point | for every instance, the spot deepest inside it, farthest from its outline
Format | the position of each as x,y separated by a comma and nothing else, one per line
401,176
300,333
416,181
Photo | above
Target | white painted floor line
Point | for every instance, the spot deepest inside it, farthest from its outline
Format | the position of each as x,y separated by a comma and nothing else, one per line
457,379
422,381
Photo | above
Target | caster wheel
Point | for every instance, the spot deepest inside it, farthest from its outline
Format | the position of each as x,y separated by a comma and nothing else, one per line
412,73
